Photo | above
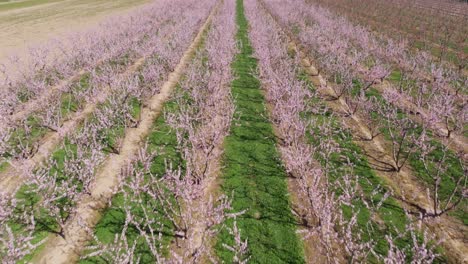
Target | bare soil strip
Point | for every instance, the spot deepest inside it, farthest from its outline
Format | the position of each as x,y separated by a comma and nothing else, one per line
451,230
9,7
14,175
59,250
33,25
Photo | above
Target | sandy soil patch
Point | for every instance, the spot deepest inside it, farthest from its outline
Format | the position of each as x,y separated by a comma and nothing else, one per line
34,25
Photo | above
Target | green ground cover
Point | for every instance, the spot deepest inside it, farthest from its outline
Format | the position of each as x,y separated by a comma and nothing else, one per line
253,171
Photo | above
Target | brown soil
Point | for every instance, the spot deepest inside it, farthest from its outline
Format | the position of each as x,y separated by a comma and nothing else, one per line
59,250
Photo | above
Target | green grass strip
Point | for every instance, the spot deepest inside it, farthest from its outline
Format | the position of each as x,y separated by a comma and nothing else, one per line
253,170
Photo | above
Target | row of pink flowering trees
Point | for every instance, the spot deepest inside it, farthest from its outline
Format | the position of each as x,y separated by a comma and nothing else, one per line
433,90
51,192
434,26
345,54
129,44
180,201
320,203
118,39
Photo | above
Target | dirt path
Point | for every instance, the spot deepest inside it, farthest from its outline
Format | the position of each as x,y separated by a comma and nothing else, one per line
34,25
447,228
59,250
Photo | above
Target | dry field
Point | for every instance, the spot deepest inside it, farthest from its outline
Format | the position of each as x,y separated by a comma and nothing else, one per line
26,23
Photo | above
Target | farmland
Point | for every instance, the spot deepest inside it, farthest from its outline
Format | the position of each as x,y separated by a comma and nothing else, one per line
26,24
237,131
